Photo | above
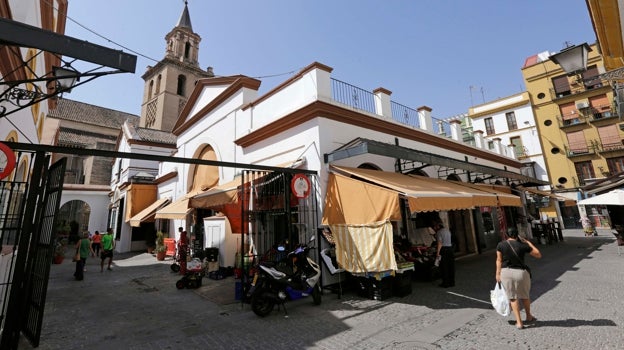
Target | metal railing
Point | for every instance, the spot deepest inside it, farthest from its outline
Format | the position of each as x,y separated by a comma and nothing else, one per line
577,120
578,86
404,114
353,96
441,127
581,149
613,143
361,99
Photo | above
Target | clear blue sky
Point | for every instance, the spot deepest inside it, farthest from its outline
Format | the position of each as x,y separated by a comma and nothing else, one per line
427,52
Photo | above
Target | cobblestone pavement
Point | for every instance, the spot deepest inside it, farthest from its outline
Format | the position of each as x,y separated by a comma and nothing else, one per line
577,292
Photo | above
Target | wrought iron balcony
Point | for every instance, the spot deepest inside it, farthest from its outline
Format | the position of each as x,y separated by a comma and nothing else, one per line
577,121
578,87
581,149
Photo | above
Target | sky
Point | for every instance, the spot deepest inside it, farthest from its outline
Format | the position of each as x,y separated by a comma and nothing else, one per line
448,55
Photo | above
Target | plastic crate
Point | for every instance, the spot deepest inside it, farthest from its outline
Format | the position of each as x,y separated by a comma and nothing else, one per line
372,288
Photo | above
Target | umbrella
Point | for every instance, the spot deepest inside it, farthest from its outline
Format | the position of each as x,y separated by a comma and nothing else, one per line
615,197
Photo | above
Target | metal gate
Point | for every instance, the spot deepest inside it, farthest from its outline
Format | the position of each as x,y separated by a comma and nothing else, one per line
274,210
29,203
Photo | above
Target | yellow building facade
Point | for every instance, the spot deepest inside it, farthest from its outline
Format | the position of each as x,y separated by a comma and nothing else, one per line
577,121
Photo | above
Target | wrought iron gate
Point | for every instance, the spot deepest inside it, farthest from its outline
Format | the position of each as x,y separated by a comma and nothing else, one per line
29,203
275,212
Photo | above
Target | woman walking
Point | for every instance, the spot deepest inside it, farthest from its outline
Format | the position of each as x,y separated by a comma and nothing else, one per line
515,275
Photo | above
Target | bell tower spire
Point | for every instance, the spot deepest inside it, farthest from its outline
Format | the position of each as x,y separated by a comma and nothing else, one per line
182,42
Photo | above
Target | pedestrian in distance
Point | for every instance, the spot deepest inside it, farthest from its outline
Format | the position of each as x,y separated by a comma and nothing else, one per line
108,245
83,248
183,246
515,275
444,253
96,243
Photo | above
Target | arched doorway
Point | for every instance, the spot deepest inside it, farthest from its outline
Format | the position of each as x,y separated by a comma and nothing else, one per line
73,219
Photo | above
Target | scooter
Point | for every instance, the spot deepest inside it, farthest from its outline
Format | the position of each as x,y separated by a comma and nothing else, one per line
294,277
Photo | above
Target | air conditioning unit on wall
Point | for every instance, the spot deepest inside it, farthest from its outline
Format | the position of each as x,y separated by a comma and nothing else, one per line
582,105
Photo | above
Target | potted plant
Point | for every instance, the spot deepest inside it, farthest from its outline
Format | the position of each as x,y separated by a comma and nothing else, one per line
59,252
161,248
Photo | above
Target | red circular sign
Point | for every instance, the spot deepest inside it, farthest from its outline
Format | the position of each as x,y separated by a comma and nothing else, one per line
7,160
300,185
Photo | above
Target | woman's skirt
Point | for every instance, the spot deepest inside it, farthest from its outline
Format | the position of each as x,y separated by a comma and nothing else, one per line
517,283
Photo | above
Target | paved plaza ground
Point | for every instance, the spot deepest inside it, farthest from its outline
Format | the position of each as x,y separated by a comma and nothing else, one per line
577,291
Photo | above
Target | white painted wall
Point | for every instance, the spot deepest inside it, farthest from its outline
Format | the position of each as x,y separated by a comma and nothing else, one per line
98,201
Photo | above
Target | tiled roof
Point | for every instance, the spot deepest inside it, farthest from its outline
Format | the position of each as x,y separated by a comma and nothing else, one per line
152,135
90,114
81,138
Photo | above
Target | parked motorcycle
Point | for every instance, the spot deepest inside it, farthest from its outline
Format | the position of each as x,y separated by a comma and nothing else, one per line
294,277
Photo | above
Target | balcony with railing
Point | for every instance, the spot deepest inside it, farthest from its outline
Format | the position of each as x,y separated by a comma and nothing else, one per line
602,114
610,144
578,86
576,121
580,149
363,100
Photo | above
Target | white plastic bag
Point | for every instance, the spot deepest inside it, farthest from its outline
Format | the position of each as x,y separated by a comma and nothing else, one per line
499,300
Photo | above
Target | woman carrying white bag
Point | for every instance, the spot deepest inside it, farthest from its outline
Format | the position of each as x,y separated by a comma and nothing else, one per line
515,275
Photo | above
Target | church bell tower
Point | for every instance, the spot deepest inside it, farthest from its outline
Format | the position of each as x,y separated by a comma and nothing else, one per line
169,83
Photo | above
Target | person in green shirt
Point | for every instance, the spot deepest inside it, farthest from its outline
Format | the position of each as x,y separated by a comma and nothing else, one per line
83,248
108,245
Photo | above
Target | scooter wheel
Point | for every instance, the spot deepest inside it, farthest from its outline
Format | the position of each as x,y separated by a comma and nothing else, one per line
180,283
317,295
261,303
175,267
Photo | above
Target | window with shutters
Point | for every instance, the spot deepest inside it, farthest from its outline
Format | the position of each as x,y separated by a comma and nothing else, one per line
590,78
489,126
577,143
616,165
511,121
610,137
600,106
561,85
584,171
516,141
569,114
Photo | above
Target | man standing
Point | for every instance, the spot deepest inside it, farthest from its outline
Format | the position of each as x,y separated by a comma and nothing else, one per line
108,245
445,254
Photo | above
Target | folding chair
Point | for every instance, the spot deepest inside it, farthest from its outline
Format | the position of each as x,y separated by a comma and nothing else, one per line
619,241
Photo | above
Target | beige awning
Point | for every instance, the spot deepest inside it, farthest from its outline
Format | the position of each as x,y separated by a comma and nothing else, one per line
178,209
424,193
147,214
503,194
351,201
567,202
226,193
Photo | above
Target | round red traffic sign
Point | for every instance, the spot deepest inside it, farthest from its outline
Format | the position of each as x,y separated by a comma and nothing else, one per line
300,185
7,160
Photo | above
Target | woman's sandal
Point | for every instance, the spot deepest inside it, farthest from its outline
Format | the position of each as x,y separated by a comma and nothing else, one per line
532,320
519,326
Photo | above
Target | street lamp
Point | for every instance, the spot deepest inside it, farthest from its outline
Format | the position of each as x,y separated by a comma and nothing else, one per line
572,59
63,78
